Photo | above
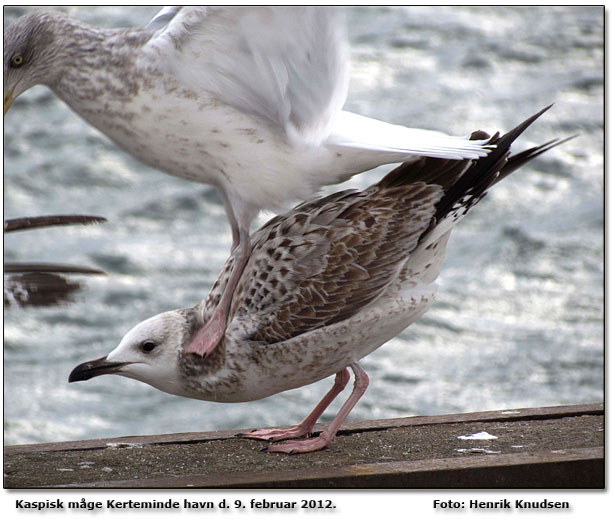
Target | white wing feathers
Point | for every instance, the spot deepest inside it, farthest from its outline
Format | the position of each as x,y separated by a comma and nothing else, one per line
287,65
363,133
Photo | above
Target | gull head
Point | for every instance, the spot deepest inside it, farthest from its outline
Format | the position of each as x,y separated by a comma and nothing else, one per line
149,352
32,53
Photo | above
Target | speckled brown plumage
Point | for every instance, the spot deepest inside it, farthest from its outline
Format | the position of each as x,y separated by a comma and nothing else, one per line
329,258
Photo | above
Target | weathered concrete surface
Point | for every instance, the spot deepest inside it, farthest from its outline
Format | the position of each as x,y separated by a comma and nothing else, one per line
556,447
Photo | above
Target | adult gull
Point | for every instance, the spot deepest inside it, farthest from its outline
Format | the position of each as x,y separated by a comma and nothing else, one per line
325,285
248,99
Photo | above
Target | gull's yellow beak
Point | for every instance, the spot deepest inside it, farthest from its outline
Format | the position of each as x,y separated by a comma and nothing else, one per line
8,100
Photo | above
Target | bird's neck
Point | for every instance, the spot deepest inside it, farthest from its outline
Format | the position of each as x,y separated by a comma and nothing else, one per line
95,66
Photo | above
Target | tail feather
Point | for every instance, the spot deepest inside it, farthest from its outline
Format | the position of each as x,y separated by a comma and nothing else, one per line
465,182
482,173
519,159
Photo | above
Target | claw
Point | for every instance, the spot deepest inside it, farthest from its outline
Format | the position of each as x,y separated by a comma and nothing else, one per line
298,447
276,435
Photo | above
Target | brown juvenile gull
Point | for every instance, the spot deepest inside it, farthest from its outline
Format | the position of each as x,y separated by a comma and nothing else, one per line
325,285
247,99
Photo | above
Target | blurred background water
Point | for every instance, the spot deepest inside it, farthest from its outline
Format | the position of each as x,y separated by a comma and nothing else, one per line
519,317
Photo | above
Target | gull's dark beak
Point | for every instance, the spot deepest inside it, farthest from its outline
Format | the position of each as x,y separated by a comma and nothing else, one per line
94,368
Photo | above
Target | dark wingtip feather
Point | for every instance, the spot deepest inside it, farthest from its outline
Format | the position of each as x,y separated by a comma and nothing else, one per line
446,172
517,160
35,222
38,289
479,135
41,284
57,268
484,172
503,143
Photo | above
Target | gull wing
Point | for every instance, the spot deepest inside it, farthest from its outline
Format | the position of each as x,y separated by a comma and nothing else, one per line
286,65
43,284
34,222
395,143
326,260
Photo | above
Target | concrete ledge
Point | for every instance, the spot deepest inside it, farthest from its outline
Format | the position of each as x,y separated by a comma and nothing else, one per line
553,447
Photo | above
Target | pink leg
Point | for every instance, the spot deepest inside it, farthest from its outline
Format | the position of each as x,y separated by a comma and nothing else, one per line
236,234
306,426
326,437
212,332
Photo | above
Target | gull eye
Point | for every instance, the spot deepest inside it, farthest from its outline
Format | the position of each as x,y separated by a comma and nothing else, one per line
17,61
148,346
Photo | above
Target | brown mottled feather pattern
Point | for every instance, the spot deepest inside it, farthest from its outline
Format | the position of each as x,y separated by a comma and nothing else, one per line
329,258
